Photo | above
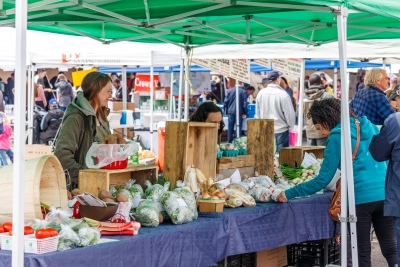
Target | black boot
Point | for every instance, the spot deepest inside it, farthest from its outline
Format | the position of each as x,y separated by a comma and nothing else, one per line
395,265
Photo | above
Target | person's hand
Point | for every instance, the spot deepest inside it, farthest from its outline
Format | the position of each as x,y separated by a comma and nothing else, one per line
243,116
206,92
337,239
281,197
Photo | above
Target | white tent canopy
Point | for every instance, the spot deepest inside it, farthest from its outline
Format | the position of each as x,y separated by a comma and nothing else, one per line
49,49
372,50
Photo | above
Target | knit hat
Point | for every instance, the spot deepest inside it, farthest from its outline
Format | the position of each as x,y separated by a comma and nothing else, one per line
395,92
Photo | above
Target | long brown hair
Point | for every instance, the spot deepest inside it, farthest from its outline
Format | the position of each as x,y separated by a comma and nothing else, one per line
35,90
91,85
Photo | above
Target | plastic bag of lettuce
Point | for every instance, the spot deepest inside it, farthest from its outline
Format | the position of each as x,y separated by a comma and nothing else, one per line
176,208
147,213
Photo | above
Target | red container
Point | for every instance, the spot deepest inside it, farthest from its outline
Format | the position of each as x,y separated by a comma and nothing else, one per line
122,164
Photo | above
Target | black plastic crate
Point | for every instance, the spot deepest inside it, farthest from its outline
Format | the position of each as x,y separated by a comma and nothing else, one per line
241,260
314,253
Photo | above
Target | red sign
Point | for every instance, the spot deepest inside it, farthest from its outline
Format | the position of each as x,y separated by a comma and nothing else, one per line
142,82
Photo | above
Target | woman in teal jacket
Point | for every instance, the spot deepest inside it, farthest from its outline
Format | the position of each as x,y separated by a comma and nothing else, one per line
369,179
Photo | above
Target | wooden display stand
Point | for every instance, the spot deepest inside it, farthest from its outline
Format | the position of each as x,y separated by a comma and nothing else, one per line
293,156
91,180
260,143
188,143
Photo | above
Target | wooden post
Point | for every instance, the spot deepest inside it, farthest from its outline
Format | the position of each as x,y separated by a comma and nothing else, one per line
175,151
260,143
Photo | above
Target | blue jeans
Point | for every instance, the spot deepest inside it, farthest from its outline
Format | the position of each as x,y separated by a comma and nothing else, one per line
10,154
282,140
231,127
3,157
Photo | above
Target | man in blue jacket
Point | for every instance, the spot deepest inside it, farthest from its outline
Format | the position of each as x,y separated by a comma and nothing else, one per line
386,146
230,108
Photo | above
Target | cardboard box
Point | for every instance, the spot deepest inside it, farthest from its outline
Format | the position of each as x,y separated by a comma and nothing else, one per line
117,105
37,151
293,156
276,257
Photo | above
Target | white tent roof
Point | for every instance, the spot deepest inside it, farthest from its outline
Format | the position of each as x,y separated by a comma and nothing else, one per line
374,50
49,49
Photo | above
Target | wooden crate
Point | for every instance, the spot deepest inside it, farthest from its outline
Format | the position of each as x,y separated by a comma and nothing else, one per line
91,180
293,156
188,143
260,143
226,166
235,162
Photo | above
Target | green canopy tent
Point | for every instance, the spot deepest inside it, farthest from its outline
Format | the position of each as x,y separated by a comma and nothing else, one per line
205,22
194,23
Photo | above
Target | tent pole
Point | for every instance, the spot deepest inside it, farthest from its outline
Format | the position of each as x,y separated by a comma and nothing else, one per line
335,82
30,104
19,133
124,98
180,90
187,92
301,103
171,97
151,100
238,129
347,182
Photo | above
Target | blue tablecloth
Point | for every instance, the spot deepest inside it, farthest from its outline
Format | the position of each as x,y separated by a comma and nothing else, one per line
204,242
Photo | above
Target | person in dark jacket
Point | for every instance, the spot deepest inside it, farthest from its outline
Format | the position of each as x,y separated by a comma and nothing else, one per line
84,122
385,146
51,122
230,109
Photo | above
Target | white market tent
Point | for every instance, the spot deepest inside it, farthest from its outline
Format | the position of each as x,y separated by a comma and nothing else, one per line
340,8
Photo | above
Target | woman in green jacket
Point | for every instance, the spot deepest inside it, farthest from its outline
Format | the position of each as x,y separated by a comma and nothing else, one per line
84,122
369,179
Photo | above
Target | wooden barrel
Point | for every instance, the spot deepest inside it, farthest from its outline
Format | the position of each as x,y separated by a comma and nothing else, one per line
44,182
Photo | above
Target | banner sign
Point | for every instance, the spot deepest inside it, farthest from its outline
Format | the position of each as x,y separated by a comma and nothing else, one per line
142,82
265,62
294,66
234,68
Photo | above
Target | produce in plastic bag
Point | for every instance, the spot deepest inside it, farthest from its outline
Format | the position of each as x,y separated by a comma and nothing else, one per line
248,183
189,199
237,187
155,191
40,224
263,181
275,193
233,202
58,215
176,208
76,224
135,189
235,197
89,236
190,179
147,213
123,195
68,238
261,194
100,155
